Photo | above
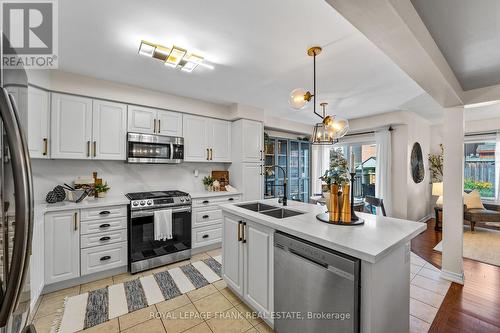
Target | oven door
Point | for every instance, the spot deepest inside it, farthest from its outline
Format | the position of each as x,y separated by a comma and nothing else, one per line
146,148
142,244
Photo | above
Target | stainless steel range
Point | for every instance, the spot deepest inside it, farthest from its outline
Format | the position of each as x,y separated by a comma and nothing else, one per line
144,252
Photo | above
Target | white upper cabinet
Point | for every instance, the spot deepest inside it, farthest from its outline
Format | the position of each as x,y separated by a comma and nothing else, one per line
252,135
154,121
219,140
252,182
195,131
109,130
71,126
82,128
38,123
206,139
141,120
169,123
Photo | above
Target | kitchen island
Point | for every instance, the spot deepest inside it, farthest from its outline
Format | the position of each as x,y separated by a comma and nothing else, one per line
381,244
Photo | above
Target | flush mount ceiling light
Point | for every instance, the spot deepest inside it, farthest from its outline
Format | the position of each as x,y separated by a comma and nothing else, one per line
331,128
175,57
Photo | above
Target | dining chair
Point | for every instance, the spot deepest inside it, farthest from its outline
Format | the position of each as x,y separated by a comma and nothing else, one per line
375,202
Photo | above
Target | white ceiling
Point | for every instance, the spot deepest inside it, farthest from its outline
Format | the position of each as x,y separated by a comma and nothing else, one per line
258,48
468,34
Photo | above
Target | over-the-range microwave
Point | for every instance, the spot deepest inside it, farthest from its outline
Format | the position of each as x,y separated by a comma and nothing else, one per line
148,148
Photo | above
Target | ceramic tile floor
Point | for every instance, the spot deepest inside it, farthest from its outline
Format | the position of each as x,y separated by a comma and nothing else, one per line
427,292
194,311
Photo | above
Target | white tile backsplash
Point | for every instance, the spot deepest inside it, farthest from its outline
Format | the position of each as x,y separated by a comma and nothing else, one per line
121,176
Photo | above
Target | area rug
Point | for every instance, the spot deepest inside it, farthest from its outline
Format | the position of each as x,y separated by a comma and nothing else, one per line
482,245
98,306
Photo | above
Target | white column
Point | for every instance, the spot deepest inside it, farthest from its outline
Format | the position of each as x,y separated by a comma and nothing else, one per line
453,174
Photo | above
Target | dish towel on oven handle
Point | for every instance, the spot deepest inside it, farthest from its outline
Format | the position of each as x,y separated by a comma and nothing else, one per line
163,224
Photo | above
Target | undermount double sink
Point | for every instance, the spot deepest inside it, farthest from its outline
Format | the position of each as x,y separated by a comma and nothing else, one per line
273,211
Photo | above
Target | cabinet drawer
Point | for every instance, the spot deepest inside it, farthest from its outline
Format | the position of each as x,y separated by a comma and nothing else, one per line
207,235
206,216
100,258
90,227
103,213
204,202
103,238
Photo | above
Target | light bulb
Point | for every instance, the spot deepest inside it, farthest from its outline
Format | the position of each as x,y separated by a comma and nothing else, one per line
299,98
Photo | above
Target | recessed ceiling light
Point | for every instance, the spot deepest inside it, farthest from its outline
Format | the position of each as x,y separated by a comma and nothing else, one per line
175,57
146,49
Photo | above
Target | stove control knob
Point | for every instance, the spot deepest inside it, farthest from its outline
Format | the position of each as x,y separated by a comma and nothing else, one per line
143,202
187,199
182,199
135,203
150,202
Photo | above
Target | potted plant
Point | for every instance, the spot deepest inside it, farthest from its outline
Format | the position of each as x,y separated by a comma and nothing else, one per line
208,181
102,189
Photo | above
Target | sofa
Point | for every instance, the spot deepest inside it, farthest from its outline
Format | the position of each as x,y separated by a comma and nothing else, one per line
490,213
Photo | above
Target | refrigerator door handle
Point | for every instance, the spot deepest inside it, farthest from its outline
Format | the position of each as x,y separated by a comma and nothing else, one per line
23,205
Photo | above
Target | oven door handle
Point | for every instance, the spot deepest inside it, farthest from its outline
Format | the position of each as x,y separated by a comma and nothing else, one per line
150,212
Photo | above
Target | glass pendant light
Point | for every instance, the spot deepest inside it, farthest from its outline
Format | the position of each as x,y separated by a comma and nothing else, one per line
329,130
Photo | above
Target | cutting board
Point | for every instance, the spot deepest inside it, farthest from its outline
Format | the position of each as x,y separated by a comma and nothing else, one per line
222,177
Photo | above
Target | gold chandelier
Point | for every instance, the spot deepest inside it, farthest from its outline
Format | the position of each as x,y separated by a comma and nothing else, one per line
331,128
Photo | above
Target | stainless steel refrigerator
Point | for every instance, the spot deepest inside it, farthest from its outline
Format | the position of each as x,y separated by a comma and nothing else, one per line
16,201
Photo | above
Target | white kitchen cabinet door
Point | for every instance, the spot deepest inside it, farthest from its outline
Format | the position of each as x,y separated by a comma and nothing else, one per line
169,123
38,123
258,267
195,132
62,246
71,126
232,254
252,138
252,181
219,132
109,130
141,119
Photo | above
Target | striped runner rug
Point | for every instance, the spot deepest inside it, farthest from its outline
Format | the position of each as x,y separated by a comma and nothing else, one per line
98,306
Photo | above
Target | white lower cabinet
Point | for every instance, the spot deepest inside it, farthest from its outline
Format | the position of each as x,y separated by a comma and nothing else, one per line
100,258
84,241
206,219
247,265
62,246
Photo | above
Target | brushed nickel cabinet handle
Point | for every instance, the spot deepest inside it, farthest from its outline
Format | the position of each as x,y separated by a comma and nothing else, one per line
95,148
211,154
45,146
88,148
75,220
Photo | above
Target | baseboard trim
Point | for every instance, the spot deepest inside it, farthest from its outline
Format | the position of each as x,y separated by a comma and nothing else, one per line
452,276
426,218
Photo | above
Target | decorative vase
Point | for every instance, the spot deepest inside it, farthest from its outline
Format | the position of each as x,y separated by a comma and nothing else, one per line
334,203
101,194
346,204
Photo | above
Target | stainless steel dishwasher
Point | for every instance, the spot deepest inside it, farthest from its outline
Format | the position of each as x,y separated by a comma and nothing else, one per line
315,289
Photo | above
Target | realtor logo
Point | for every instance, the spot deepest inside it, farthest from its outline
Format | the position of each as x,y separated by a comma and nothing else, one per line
29,34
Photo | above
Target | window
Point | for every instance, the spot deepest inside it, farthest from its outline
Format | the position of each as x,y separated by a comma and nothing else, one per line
479,169
365,162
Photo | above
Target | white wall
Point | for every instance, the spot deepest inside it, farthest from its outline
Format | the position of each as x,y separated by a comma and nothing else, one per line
122,177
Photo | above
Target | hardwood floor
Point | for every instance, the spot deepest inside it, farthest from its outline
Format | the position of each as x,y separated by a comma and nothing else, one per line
474,307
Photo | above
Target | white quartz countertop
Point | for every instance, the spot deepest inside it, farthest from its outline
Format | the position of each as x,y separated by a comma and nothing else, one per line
378,236
207,194
42,207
